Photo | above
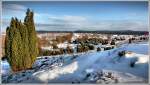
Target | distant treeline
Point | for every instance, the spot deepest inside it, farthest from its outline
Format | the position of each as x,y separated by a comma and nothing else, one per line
101,32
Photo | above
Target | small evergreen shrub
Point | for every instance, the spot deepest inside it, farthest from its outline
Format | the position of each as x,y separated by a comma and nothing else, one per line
112,42
132,64
98,49
69,50
107,48
130,40
46,53
133,61
91,47
122,53
55,46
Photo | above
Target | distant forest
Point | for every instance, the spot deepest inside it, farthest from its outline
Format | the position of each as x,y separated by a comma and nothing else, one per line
124,32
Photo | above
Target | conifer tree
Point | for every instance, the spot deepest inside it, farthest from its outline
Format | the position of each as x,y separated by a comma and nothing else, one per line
33,44
13,46
21,46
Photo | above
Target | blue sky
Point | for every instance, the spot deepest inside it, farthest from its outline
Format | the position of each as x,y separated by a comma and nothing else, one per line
69,16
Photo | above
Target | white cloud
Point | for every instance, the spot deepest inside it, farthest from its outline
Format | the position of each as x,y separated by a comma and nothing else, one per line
74,18
14,7
45,21
68,22
13,10
119,25
63,22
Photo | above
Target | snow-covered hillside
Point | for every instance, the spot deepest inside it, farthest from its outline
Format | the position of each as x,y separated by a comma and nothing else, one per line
89,67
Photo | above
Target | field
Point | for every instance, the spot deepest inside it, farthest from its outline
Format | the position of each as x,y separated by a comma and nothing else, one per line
122,62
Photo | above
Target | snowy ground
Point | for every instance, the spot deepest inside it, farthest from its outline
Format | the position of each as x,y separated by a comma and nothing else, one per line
90,67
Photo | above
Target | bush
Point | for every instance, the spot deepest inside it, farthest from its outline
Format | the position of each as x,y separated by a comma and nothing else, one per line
132,64
79,48
82,48
130,40
133,61
104,42
86,48
62,51
76,42
122,53
54,52
107,48
112,42
69,50
112,47
91,47
55,46
46,53
98,49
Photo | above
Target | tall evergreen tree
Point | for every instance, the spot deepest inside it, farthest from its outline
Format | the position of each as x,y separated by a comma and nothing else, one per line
33,45
17,52
21,47
13,46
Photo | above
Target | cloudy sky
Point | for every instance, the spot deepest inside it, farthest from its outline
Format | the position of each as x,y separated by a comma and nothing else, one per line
70,16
